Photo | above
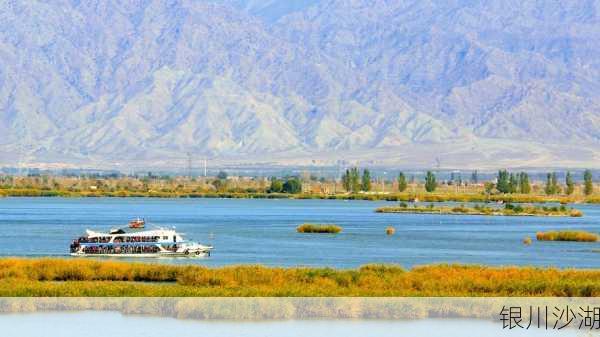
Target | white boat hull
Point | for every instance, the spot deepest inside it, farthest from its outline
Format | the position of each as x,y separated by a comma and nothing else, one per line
146,255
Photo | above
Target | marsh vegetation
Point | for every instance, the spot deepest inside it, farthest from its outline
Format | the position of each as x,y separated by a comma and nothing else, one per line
58,277
319,228
506,210
576,236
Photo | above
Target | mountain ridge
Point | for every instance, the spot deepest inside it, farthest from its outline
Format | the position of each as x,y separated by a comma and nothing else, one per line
149,81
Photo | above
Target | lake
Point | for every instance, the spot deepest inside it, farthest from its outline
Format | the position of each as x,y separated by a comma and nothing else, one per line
114,324
259,231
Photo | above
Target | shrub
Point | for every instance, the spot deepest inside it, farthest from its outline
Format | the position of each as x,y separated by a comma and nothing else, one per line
460,209
575,213
318,228
578,236
390,230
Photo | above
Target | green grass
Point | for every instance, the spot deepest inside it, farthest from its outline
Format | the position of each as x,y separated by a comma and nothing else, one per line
577,236
84,277
318,228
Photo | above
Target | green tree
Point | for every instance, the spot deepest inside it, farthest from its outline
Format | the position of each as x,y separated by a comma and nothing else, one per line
366,181
588,184
346,180
570,184
524,185
402,185
548,188
351,180
488,186
430,182
292,185
503,183
276,186
354,179
551,184
513,184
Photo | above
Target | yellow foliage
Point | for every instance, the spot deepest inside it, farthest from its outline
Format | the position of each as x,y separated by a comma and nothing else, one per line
579,236
318,228
31,277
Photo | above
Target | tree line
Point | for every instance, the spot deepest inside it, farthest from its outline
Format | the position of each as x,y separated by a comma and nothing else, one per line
353,180
506,182
519,183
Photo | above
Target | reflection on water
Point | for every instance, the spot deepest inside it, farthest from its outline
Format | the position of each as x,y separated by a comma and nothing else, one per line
79,324
263,231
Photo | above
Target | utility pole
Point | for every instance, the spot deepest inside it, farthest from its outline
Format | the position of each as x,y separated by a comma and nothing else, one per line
205,167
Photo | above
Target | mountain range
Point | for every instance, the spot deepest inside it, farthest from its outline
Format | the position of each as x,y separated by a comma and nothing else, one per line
414,83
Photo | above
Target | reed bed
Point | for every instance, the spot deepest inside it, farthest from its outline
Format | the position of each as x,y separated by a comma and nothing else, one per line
319,228
506,210
77,277
577,236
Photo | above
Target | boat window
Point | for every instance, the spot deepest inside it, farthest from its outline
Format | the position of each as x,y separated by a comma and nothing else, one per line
165,238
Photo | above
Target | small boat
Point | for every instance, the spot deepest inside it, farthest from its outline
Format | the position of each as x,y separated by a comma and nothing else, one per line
137,241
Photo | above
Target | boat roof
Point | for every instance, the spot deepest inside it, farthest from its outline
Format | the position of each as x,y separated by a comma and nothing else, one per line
128,230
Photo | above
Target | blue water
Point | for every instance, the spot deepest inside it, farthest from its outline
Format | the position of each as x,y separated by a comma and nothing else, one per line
114,324
263,231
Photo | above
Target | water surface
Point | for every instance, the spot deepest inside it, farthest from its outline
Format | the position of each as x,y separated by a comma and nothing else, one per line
114,324
263,232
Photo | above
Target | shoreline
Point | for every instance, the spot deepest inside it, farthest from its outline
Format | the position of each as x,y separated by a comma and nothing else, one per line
405,197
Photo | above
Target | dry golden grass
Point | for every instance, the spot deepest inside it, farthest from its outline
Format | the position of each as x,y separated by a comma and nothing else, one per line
318,228
575,213
578,236
78,277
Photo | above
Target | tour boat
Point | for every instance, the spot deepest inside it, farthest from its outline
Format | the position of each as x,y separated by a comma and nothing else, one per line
137,241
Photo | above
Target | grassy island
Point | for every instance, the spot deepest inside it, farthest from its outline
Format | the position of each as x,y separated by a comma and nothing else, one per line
83,277
507,210
318,228
577,236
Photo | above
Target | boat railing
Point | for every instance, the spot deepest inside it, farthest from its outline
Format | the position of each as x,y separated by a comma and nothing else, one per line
119,239
127,249
98,244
